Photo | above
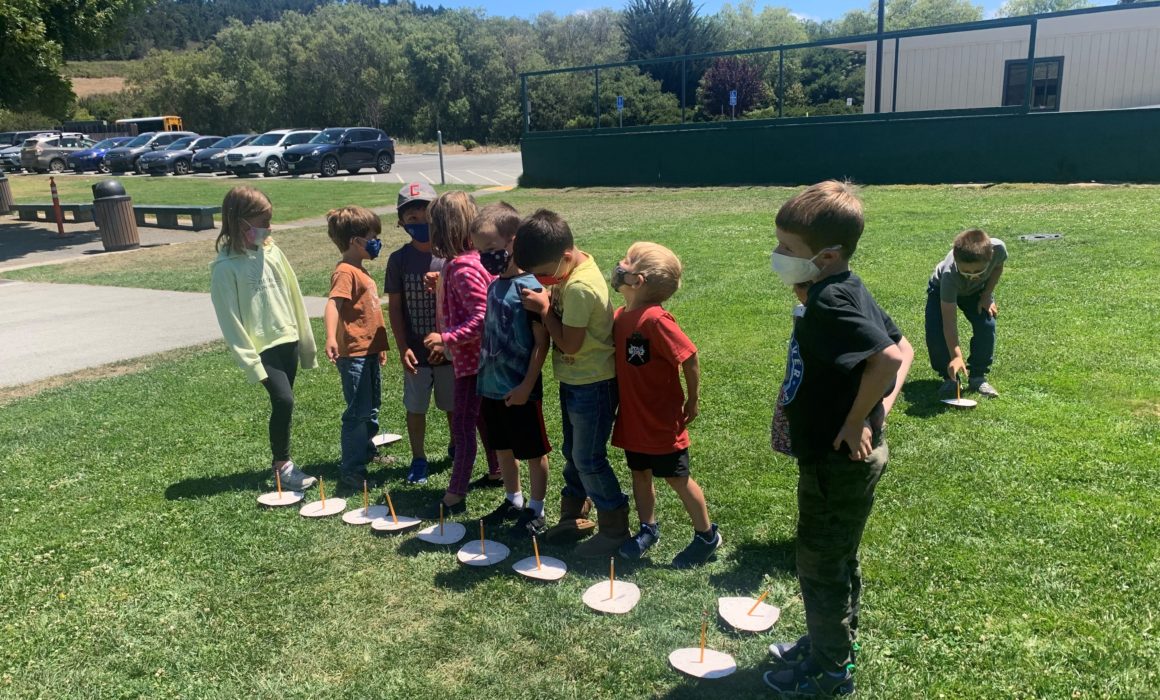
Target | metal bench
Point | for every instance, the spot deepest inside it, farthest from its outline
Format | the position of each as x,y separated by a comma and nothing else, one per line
165,216
32,212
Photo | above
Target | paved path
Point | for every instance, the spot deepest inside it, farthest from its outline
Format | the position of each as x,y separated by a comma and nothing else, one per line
104,322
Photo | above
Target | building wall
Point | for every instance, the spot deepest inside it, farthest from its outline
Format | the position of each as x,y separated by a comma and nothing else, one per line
1111,61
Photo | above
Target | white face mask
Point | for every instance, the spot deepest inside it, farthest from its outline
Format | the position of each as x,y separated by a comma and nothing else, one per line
793,270
257,236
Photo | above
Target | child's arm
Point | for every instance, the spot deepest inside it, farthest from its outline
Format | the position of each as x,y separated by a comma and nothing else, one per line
470,292
692,369
950,324
907,358
224,295
987,298
398,323
330,318
519,395
568,339
881,369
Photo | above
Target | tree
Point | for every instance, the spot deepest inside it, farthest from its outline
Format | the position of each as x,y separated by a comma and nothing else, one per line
725,75
911,14
1018,8
662,28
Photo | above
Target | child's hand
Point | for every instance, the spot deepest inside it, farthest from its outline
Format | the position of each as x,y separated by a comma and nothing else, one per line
430,282
432,341
382,359
956,367
801,290
537,302
988,306
518,396
436,357
857,438
332,350
692,410
410,362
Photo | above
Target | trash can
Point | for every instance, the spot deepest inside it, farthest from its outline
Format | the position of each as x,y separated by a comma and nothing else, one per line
6,203
113,211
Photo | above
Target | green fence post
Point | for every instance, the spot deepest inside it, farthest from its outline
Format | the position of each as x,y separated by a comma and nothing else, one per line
1030,93
524,102
597,98
780,82
683,90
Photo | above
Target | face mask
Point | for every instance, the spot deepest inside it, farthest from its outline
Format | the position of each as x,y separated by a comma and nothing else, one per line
420,233
495,261
373,246
793,270
257,236
618,275
554,278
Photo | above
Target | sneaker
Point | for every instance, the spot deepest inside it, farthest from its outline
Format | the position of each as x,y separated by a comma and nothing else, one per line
790,653
418,471
699,550
505,512
980,385
485,482
432,511
294,479
355,480
529,524
808,680
948,389
635,547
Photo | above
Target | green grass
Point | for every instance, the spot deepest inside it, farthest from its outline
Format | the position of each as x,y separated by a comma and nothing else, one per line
1012,553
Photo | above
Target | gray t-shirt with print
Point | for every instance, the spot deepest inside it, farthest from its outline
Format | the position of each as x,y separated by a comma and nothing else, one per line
406,268
952,286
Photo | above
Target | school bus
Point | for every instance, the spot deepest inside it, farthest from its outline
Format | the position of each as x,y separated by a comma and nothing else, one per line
140,125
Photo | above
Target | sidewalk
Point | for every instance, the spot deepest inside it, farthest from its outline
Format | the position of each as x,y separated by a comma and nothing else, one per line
103,325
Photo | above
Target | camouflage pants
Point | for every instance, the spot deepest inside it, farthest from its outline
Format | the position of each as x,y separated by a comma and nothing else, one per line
835,496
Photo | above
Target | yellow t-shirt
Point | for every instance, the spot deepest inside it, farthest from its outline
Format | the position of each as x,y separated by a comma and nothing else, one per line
582,301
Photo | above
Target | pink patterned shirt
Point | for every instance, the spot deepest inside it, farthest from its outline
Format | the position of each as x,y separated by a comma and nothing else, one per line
465,284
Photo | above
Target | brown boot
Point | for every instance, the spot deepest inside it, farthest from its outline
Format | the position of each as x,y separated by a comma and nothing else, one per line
612,532
574,523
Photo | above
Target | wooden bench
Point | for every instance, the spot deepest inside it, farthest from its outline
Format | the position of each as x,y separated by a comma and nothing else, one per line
32,212
166,216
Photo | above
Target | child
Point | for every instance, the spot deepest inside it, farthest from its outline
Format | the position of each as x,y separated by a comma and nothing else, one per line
464,281
578,316
263,319
847,358
651,352
515,345
966,278
356,337
411,309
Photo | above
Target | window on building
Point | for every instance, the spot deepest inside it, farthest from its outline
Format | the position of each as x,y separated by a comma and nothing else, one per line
1045,89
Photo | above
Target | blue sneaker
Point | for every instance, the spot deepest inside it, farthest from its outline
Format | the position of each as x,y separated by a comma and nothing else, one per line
635,547
808,680
699,551
793,653
418,472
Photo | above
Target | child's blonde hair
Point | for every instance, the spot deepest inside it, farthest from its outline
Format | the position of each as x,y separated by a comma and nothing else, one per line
450,217
346,223
659,267
240,205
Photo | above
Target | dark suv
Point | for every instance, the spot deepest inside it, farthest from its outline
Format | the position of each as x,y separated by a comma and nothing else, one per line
124,158
343,148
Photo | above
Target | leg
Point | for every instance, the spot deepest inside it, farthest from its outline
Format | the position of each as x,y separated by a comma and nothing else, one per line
982,338
355,373
644,496
281,365
693,499
936,344
376,402
494,470
416,400
416,434
573,484
463,437
591,409
538,478
510,469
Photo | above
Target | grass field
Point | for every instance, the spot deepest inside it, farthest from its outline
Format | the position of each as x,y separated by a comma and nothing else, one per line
1014,551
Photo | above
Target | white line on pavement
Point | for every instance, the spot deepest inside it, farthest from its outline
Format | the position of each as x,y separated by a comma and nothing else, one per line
401,181
496,182
426,178
452,175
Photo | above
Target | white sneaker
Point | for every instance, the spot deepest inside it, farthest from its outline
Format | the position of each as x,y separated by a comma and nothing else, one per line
980,385
294,479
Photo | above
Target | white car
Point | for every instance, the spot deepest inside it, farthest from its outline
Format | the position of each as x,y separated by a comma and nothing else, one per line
264,154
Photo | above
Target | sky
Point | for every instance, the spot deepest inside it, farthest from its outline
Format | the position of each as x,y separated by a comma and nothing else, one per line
814,9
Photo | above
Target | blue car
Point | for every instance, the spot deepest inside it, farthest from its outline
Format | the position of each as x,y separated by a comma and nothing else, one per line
94,158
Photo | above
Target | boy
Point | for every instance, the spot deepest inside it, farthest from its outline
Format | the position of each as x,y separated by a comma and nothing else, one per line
845,358
966,278
515,345
411,309
356,337
651,352
578,316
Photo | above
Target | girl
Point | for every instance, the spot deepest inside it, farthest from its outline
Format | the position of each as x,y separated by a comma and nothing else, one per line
461,309
263,319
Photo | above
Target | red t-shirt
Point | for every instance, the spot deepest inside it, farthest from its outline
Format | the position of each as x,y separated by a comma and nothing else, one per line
650,348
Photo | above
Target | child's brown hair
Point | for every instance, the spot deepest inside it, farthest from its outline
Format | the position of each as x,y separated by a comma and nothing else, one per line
501,216
450,217
240,206
825,215
660,269
972,246
347,223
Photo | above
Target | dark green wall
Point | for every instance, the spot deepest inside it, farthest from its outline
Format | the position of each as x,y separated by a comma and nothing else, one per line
1000,146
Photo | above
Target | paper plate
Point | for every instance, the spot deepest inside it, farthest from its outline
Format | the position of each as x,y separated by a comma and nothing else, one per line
716,664
452,533
389,524
625,597
735,612
492,554
275,499
385,439
365,517
315,509
550,569
961,403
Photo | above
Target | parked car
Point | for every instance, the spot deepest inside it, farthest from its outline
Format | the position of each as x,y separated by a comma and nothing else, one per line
124,158
10,155
44,154
6,138
177,158
344,148
213,159
94,158
264,154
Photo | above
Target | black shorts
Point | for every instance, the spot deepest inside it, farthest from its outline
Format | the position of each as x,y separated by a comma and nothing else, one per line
516,428
663,466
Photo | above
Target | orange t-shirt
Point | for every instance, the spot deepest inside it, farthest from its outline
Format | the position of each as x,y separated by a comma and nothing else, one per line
361,330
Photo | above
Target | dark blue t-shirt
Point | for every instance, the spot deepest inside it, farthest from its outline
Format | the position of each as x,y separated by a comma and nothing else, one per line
508,340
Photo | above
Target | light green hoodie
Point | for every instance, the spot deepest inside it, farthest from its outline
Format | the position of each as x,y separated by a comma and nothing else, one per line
259,305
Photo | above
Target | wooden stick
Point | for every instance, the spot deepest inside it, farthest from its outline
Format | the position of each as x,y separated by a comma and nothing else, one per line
611,577
322,492
757,603
482,541
958,389
536,549
366,500
704,627
440,518
278,481
390,505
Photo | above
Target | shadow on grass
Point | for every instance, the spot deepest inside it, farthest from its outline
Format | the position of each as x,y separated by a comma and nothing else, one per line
744,683
751,561
205,486
922,398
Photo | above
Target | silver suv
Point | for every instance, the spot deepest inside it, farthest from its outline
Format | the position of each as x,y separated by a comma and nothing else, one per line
50,153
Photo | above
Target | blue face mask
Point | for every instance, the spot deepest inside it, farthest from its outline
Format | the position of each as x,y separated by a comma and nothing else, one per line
373,246
495,261
420,233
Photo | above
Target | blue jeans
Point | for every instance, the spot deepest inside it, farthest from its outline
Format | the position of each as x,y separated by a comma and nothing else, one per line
362,389
587,412
982,335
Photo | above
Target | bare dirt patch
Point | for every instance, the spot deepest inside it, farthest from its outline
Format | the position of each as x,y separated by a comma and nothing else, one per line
85,87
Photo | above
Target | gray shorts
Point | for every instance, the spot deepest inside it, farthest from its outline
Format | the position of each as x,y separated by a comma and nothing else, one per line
417,388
